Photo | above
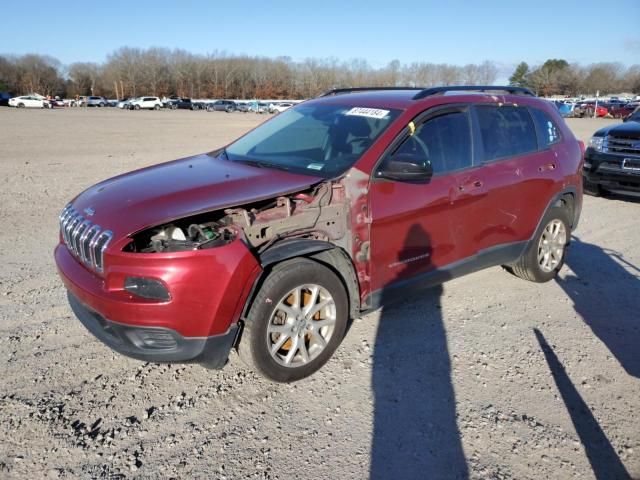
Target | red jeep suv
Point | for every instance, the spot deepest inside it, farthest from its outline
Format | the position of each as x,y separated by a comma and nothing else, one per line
339,204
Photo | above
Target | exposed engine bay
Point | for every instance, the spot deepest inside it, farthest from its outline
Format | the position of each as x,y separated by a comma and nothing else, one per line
319,213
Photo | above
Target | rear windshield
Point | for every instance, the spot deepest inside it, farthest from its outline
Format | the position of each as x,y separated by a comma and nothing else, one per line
322,140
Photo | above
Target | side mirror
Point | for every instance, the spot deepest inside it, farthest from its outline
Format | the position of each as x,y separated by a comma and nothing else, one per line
406,167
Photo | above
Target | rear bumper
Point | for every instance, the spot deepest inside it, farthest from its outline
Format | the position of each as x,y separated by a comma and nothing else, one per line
607,171
156,344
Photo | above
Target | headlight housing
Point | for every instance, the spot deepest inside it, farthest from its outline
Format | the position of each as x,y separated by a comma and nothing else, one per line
597,143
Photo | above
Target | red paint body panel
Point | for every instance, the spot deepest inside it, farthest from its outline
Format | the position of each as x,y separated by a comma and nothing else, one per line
164,192
206,287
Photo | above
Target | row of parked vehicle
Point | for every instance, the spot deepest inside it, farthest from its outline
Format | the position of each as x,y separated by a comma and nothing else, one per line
182,103
613,108
148,103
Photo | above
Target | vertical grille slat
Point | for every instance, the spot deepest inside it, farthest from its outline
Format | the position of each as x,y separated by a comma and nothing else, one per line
85,241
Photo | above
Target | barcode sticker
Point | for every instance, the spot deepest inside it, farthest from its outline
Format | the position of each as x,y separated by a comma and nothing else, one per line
368,112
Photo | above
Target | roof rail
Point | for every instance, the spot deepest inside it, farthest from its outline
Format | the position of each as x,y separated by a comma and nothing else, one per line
427,92
338,91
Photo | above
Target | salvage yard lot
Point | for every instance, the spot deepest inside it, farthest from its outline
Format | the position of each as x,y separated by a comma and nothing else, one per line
487,377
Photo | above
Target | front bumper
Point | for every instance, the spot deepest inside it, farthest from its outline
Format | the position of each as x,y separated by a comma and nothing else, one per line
208,290
156,344
607,171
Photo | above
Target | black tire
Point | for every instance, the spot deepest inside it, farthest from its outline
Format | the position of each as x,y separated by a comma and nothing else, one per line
136,107
157,107
591,188
285,277
21,105
527,266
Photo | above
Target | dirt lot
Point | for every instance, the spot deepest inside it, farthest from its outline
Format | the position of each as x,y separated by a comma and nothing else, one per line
487,377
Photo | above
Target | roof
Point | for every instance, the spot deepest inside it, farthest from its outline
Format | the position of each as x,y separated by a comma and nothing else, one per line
404,97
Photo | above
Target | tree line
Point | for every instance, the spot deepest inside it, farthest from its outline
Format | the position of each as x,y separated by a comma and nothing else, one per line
130,72
558,77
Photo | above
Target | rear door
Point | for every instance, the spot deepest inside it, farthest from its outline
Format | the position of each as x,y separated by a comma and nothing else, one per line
519,178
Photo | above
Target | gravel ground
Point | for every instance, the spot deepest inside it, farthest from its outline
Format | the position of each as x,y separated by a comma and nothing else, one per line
487,377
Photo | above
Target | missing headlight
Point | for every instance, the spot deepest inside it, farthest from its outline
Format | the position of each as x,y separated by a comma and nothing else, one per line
181,235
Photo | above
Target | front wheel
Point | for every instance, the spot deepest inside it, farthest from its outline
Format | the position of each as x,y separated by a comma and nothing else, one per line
157,107
296,321
137,107
544,256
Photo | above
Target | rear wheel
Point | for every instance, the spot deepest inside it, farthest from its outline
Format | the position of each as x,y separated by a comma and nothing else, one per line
545,255
21,105
296,321
137,107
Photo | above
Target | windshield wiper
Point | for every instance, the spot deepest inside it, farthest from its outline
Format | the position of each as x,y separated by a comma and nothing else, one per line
263,164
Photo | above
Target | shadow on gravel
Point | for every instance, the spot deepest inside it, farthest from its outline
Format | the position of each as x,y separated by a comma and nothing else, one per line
602,456
415,433
606,293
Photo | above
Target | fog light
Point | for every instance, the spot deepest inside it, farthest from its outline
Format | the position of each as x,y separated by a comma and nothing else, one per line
147,288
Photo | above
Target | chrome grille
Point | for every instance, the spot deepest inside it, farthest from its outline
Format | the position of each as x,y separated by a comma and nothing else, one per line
84,239
622,146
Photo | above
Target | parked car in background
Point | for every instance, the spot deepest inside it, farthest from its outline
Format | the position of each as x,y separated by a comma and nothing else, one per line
94,101
618,110
27,101
280,107
328,211
124,103
55,102
567,110
4,99
586,109
612,159
259,107
242,107
222,106
145,103
180,104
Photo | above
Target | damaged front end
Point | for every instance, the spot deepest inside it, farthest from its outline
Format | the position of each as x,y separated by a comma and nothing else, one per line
319,213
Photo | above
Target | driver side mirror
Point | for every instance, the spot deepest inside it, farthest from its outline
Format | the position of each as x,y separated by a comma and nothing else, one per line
406,167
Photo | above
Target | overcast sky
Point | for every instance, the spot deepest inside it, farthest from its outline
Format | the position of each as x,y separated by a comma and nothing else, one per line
452,31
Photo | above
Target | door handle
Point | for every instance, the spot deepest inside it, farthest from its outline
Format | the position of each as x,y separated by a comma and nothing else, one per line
547,167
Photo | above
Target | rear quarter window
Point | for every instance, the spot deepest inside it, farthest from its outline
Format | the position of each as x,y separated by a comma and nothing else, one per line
548,131
506,131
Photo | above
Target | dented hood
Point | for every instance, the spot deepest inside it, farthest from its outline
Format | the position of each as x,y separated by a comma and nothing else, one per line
154,195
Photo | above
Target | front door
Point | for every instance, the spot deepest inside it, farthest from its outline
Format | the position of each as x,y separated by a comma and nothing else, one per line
417,228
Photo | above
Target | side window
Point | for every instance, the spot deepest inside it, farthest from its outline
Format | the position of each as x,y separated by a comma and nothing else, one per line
548,132
445,141
506,131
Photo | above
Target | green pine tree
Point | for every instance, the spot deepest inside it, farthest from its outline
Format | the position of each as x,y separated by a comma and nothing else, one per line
519,77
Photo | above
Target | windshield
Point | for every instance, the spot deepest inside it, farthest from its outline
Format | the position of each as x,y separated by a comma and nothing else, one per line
320,140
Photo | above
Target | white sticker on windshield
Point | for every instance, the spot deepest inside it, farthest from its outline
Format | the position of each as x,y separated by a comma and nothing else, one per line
315,166
368,112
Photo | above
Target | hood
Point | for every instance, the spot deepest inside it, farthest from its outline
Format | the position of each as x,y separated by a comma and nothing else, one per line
629,129
154,195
